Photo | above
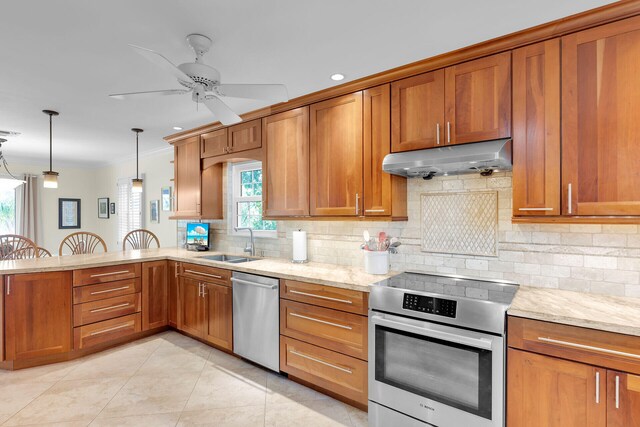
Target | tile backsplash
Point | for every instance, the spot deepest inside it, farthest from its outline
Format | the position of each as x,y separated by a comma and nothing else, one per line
601,259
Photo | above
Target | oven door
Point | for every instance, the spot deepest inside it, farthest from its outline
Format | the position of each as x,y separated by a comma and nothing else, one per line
442,375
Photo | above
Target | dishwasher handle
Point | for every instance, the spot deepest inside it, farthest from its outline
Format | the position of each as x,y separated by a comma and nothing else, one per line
248,282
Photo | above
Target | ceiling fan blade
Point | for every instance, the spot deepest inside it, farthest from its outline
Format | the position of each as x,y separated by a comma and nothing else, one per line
149,94
162,62
221,111
273,93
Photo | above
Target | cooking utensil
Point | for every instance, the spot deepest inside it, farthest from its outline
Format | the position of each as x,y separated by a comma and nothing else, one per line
382,236
366,236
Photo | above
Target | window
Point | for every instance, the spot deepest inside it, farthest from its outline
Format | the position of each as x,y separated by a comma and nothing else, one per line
7,211
129,209
247,199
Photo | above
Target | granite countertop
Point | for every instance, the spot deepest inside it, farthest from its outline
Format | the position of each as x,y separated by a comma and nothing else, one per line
324,274
602,312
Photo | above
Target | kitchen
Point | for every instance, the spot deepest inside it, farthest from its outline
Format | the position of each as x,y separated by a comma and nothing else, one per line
491,185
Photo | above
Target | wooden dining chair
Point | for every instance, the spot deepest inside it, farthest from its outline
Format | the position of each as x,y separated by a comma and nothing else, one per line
30,252
12,245
81,242
140,239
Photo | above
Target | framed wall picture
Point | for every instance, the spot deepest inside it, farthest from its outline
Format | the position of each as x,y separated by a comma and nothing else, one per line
154,211
112,208
165,197
103,207
69,213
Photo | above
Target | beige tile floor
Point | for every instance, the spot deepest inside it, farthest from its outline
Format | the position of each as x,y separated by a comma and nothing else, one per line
164,380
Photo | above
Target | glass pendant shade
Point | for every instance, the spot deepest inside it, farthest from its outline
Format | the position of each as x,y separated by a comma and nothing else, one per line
136,185
50,179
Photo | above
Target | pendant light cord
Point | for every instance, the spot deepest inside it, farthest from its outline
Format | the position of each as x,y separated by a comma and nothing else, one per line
50,143
137,133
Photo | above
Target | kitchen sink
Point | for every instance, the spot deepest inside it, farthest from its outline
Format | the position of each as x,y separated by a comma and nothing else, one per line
233,259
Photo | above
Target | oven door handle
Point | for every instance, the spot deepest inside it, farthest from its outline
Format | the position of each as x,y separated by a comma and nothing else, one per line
482,343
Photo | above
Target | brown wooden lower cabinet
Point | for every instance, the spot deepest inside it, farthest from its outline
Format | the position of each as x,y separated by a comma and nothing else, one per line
37,314
155,290
566,376
172,280
190,307
106,331
97,311
218,327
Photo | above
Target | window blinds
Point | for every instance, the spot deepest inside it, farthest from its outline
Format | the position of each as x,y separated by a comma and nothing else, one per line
129,209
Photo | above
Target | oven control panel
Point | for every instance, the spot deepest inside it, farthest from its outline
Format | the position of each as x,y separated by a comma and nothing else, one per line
431,305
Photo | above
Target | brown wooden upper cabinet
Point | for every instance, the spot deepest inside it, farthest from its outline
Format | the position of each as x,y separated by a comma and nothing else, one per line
37,312
384,194
245,136
536,129
468,102
186,162
285,139
214,143
418,111
600,126
336,162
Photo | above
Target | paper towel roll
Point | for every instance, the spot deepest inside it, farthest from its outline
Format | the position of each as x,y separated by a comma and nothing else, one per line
299,246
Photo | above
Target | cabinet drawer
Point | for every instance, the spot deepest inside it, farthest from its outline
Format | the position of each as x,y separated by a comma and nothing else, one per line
327,369
96,311
325,296
111,273
102,332
600,348
335,330
105,290
206,274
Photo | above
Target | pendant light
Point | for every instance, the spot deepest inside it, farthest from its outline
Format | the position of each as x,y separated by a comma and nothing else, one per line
136,183
50,177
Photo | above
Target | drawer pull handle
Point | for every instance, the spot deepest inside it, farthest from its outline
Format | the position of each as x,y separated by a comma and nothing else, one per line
313,319
97,310
589,347
617,392
597,387
346,301
304,356
203,274
110,273
374,210
109,290
535,209
104,331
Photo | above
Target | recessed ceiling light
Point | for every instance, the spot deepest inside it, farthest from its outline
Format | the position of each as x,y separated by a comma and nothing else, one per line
177,128
337,77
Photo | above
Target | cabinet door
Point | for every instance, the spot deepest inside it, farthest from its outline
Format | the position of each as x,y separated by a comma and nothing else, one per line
623,402
417,108
37,314
155,295
600,126
219,319
478,99
336,156
190,307
213,143
245,136
186,163
536,129
285,172
172,282
550,392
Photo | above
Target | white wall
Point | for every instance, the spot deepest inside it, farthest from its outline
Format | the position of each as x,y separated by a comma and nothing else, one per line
157,171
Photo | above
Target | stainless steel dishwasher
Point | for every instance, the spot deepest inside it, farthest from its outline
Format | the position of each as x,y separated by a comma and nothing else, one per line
256,319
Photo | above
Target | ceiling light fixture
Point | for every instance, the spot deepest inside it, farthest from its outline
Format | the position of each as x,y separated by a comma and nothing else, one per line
337,77
11,182
136,183
177,128
50,177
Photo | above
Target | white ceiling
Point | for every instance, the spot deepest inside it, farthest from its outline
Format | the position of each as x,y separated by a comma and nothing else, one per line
68,55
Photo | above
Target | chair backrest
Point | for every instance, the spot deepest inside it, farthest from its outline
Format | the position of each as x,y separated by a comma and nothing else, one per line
13,245
42,252
81,242
139,239
30,252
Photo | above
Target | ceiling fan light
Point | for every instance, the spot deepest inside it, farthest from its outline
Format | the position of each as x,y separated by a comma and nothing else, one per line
50,179
136,185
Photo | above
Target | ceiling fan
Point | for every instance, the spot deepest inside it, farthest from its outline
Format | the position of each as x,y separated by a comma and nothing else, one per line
203,82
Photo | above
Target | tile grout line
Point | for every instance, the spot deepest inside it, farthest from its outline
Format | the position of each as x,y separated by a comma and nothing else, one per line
31,401
194,387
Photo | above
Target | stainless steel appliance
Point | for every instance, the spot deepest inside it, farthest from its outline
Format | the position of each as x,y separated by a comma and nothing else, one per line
437,351
256,319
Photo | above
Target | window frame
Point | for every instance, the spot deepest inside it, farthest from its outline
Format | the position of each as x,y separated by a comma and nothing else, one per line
235,196
126,182
15,210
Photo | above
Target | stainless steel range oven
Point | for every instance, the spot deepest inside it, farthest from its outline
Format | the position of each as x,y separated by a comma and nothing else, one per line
437,351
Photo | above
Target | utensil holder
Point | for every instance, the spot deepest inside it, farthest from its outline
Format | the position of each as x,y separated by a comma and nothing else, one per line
376,262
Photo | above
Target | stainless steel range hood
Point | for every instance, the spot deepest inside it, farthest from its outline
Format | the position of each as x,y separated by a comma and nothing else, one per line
480,157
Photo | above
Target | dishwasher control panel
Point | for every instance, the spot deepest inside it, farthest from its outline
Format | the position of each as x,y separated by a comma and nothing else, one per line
431,305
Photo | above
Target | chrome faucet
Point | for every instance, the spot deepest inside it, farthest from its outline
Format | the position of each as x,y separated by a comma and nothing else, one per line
251,247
